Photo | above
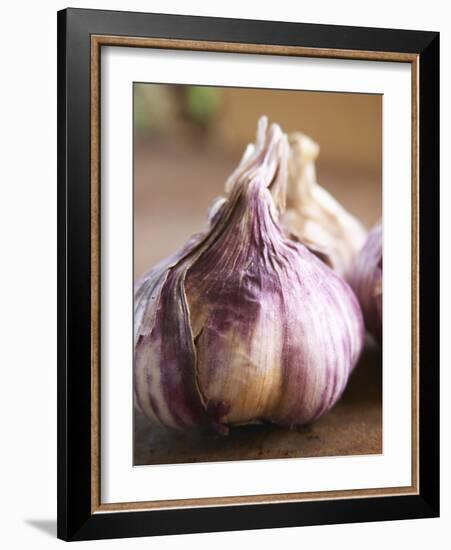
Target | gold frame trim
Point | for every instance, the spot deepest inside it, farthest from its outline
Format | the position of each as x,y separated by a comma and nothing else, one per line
97,41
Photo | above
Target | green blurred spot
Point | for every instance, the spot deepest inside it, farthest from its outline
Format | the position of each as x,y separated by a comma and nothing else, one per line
202,102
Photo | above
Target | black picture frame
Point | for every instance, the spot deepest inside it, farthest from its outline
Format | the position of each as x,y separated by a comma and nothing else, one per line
76,518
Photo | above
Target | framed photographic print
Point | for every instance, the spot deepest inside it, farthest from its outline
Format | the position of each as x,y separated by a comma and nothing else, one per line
248,274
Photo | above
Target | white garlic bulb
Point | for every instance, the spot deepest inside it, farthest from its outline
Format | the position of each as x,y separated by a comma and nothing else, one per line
244,324
313,216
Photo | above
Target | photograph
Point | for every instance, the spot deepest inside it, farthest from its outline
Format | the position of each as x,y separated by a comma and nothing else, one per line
225,275
257,249
248,268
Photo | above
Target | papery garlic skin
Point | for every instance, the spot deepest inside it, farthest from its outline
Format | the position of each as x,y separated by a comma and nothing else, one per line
365,277
245,324
313,216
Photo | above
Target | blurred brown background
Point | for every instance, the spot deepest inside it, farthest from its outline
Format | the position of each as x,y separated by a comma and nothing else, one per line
188,139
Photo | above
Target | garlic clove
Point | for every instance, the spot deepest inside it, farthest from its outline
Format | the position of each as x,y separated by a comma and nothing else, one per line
314,215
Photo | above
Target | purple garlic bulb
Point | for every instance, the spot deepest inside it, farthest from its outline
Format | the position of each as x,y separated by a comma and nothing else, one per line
244,325
365,277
